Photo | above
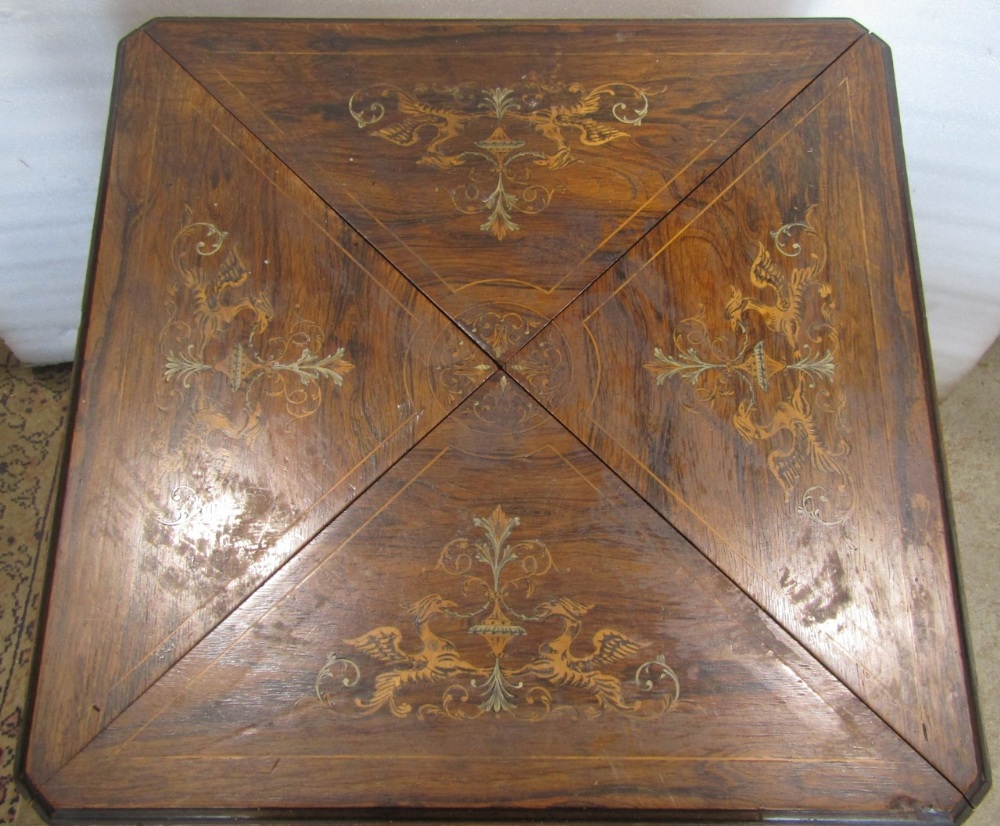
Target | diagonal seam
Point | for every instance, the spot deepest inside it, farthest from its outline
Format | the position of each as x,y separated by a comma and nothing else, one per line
808,650
82,755
506,357
81,752
705,182
38,783
683,201
285,162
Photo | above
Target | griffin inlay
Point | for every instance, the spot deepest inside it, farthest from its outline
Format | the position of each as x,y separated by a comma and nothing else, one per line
778,362
498,575
503,134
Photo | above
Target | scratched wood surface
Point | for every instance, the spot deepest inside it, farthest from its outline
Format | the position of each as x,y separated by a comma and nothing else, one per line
774,415
350,528
503,187
544,640
250,366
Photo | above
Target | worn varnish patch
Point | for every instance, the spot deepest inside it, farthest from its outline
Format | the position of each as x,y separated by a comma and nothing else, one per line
465,438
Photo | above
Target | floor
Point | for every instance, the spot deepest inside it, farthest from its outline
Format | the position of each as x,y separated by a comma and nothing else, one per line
32,420
970,422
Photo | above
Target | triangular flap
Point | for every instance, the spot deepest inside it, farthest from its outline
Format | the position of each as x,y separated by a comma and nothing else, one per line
755,369
503,187
544,640
250,366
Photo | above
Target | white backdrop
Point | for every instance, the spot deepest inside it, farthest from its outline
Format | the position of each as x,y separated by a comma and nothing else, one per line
57,58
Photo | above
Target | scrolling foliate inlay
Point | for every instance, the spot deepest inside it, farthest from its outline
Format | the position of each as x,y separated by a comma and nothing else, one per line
456,368
503,409
773,371
493,609
216,328
501,134
501,327
544,371
223,361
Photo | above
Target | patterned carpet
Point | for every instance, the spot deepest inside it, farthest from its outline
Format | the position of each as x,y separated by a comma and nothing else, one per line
33,405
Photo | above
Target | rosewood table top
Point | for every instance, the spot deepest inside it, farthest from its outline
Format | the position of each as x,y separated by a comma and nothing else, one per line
487,421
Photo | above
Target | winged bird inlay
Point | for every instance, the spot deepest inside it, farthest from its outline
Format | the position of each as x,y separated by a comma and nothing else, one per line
503,134
778,364
498,574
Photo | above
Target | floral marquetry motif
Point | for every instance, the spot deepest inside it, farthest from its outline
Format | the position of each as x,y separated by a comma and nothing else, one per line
503,421
505,135
544,371
505,573
733,369
506,634
207,301
515,180
267,367
457,367
502,328
501,409
777,363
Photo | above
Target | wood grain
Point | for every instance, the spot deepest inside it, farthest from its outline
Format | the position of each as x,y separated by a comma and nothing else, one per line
250,366
250,718
753,369
683,556
605,128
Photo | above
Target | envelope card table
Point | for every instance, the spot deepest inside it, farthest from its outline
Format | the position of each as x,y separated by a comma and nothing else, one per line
504,421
